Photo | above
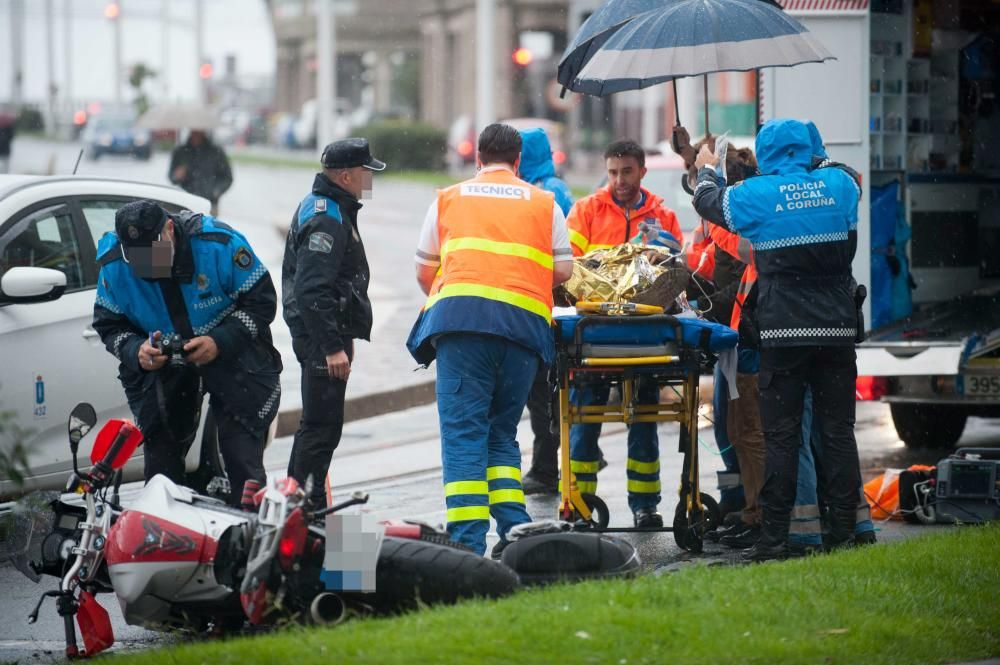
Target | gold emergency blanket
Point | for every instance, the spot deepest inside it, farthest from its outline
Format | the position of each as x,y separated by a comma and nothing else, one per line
620,273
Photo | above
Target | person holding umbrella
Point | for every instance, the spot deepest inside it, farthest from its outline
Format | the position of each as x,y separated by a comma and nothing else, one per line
802,224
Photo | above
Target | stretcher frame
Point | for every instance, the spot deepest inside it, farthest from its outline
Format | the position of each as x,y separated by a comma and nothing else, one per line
696,513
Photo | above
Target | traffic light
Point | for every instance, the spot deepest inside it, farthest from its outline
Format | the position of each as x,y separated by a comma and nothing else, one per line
112,11
205,71
523,56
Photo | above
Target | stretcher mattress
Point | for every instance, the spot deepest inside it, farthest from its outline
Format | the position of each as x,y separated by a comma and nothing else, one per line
708,335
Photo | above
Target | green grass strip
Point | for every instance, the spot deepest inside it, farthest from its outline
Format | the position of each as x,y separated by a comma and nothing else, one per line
932,599
433,178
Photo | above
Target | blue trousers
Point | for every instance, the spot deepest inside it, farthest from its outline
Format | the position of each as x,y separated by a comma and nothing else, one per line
643,467
805,526
482,386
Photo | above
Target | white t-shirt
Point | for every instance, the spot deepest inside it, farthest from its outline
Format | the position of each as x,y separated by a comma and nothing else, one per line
429,247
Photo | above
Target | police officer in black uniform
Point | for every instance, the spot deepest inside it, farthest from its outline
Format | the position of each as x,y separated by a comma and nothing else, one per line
325,296
191,276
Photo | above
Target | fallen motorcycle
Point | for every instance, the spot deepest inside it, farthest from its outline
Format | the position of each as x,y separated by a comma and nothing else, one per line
176,560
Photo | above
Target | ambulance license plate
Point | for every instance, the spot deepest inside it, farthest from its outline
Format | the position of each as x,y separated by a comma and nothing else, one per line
982,385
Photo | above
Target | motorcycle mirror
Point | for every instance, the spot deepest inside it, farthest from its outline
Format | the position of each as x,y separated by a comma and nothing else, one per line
81,420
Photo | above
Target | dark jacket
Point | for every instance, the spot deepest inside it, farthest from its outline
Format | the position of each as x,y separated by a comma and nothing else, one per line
325,275
208,173
218,288
802,224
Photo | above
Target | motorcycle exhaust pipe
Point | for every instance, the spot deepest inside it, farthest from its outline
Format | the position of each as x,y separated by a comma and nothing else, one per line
327,609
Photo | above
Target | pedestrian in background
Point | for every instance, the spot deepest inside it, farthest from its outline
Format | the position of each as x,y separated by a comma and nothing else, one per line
194,276
491,250
538,168
802,225
324,280
7,130
201,167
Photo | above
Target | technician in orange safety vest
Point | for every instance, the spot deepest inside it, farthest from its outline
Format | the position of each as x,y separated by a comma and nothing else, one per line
490,251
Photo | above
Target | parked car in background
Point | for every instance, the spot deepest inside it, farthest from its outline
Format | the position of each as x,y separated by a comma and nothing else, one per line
462,140
115,134
51,356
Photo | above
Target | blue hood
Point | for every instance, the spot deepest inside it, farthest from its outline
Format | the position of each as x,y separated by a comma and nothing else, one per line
536,155
817,141
784,146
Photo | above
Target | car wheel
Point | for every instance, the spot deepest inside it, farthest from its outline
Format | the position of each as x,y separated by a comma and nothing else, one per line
210,463
927,425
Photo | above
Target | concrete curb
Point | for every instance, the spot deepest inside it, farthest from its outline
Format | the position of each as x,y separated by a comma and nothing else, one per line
408,397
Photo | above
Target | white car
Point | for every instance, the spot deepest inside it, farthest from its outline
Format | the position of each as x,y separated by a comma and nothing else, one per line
50,356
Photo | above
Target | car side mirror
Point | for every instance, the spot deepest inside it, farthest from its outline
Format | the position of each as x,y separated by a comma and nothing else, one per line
27,285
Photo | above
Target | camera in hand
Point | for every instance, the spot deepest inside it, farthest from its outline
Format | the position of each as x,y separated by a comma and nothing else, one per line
172,346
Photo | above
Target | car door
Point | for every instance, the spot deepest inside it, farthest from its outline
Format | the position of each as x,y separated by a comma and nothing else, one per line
52,358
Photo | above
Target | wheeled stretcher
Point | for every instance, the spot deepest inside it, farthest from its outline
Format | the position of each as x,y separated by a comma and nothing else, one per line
622,344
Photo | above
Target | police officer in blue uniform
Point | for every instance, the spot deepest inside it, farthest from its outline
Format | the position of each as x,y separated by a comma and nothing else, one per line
190,275
325,297
802,222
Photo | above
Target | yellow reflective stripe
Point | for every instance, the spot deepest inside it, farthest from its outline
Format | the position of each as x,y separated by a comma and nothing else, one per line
507,496
492,293
499,247
466,487
587,486
642,467
593,247
579,240
576,466
644,486
496,472
466,513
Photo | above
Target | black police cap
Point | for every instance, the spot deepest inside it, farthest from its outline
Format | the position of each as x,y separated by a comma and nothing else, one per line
348,153
139,223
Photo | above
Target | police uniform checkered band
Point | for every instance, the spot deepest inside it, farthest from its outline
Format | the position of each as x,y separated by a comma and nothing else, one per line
247,322
258,272
725,209
269,404
702,185
782,333
116,345
798,241
204,330
108,305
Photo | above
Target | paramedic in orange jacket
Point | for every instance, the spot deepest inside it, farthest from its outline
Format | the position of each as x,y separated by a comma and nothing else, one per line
610,217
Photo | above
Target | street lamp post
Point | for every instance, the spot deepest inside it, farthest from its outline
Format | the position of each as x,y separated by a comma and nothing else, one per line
485,63
326,70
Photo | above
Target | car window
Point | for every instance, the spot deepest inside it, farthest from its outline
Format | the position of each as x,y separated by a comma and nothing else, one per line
45,239
100,214
100,217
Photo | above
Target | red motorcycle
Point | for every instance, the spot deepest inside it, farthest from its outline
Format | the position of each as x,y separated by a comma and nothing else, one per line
180,561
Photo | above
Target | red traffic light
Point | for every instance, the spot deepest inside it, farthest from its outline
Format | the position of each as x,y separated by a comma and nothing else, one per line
205,71
112,10
523,57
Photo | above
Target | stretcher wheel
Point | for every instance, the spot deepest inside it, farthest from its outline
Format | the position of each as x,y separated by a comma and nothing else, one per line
688,533
600,516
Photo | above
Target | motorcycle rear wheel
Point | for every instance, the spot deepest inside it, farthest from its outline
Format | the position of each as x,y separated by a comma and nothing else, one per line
417,572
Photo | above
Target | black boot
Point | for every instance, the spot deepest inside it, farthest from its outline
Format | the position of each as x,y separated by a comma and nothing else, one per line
764,551
540,483
646,518
747,537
